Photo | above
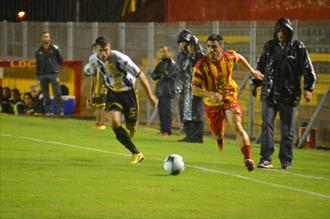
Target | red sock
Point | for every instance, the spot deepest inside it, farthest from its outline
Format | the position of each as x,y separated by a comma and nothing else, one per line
246,151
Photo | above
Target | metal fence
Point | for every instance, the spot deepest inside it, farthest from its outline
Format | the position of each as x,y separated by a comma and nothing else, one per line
141,40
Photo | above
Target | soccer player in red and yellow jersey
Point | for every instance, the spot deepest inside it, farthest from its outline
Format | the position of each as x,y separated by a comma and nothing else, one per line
212,80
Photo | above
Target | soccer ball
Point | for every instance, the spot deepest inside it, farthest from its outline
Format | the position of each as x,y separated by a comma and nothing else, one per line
174,164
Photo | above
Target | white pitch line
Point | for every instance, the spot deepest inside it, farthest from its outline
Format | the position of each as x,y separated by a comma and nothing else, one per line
191,166
297,174
260,181
66,145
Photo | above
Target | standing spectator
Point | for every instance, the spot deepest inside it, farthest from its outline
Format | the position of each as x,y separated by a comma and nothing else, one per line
197,113
165,73
48,60
120,73
283,62
5,105
17,102
183,86
37,99
98,102
213,82
182,55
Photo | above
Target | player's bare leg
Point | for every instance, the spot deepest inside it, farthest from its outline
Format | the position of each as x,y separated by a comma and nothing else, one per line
100,118
115,119
219,139
123,137
235,122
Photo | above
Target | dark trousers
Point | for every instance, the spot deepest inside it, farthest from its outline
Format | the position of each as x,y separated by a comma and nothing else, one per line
194,130
165,114
287,122
180,103
198,130
52,79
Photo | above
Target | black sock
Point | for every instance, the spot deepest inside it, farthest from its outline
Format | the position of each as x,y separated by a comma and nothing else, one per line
123,137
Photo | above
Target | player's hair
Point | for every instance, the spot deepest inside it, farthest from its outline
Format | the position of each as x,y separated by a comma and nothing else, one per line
165,48
102,41
93,45
215,37
44,32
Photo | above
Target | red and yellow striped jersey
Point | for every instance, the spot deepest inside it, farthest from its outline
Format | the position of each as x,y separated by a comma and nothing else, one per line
217,77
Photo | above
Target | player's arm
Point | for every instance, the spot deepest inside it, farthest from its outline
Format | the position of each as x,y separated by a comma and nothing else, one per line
244,63
133,72
98,96
214,96
145,84
91,91
98,83
91,71
198,87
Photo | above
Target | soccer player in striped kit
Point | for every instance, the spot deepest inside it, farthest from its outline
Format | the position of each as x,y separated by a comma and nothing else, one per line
120,73
212,80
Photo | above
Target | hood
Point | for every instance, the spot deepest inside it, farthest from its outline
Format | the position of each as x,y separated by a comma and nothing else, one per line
184,36
286,23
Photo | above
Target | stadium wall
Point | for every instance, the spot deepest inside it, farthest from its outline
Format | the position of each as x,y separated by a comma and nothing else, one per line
163,10
238,10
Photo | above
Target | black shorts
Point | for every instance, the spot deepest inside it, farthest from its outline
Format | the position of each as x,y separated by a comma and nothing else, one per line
125,102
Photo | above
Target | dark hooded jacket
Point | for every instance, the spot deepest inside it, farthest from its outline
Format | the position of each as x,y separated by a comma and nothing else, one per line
283,68
182,61
197,102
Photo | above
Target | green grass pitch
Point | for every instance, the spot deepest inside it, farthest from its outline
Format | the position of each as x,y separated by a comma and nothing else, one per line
64,168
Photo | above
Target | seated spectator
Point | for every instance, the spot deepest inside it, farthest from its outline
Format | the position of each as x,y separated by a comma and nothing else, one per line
5,105
17,102
37,104
64,90
1,95
28,101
